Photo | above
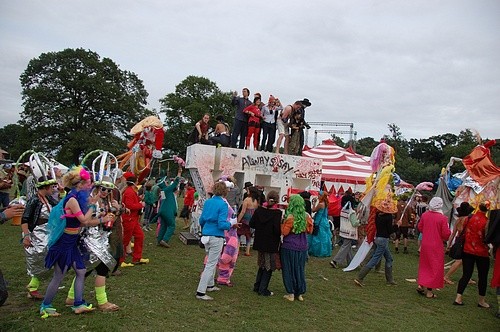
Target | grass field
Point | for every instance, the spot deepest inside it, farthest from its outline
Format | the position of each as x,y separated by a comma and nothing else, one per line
160,296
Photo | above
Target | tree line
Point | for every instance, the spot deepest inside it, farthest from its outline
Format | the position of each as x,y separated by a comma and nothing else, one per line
74,102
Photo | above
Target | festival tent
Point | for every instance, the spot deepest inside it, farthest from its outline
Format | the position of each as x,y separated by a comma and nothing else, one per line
342,168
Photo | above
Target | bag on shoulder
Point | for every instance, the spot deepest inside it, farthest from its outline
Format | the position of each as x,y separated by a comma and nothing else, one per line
347,230
457,249
351,215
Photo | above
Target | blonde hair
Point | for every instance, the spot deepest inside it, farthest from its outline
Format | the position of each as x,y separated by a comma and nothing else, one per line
71,178
220,189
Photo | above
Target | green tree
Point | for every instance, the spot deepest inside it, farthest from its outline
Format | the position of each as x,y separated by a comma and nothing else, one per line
365,146
75,102
193,97
15,139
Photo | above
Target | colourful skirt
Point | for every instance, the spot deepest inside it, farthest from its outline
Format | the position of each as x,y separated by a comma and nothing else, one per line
65,253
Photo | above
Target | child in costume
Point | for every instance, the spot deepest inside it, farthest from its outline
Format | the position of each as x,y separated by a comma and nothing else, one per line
97,244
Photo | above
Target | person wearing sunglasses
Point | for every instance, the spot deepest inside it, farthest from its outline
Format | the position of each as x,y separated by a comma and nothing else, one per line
96,239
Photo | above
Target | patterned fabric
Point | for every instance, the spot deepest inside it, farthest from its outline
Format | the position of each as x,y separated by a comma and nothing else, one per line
269,261
475,230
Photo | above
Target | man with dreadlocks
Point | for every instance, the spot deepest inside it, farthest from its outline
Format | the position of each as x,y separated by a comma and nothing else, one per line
297,224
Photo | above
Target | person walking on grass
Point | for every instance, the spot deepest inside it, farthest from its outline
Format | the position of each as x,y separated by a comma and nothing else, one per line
383,224
298,223
464,210
475,253
167,211
434,227
63,252
213,222
130,221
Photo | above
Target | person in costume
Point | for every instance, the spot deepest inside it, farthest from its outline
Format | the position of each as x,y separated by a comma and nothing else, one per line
403,219
167,211
97,243
267,224
383,224
35,233
213,221
144,148
64,253
229,256
434,227
493,237
298,223
475,252
250,203
320,244
130,222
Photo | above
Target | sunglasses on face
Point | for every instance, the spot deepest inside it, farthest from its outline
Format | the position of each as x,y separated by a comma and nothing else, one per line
106,189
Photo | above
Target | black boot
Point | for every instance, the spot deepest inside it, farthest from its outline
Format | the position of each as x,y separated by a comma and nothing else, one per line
258,281
264,283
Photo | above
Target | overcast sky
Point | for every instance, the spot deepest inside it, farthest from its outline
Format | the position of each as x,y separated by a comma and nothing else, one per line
431,67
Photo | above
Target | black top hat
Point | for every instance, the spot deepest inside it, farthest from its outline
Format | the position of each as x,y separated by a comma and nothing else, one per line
248,184
305,102
305,195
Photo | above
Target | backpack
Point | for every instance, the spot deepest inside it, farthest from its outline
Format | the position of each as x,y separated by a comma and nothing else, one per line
57,222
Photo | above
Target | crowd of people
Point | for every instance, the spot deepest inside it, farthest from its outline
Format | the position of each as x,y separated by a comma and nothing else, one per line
100,219
102,216
255,125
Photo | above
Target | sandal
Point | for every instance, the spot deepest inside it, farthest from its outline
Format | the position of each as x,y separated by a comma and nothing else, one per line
421,291
48,310
432,295
108,307
82,308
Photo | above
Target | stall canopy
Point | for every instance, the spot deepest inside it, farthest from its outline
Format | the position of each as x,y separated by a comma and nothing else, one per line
342,168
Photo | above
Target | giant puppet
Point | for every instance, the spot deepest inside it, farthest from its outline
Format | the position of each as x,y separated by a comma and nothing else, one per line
144,147
379,195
